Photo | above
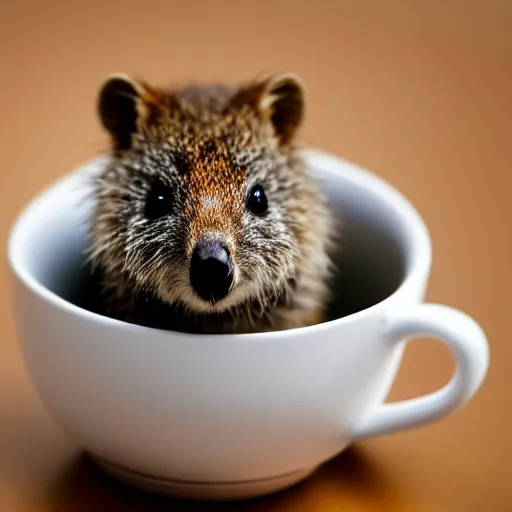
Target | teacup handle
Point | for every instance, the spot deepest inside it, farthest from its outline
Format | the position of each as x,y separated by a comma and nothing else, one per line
469,345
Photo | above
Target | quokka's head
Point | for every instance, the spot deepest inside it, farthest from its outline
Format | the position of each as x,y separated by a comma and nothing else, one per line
204,202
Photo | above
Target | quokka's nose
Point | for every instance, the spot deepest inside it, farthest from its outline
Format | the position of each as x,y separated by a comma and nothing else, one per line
211,270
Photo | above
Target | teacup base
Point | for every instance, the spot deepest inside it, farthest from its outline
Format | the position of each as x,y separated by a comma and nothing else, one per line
204,491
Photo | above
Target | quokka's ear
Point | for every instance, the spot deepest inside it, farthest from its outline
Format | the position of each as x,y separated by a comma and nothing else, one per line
279,99
121,105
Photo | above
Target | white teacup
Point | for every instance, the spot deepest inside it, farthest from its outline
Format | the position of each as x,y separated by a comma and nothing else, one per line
236,416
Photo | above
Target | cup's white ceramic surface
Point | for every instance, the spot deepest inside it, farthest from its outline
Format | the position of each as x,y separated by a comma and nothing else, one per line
236,416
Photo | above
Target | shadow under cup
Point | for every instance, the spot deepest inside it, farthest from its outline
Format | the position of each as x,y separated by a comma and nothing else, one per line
371,256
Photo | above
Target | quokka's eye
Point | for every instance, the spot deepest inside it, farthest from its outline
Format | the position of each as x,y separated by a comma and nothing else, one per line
257,200
159,202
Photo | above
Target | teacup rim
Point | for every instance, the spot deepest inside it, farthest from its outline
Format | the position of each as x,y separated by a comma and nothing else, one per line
416,230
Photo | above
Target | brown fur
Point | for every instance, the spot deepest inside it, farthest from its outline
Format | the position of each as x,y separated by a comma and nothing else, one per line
209,145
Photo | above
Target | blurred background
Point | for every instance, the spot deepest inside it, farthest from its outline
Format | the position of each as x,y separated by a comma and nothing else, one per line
418,92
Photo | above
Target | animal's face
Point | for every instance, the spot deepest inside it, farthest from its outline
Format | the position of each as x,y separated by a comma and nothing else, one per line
203,204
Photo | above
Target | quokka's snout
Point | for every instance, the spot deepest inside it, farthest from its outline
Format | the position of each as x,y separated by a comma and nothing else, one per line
212,269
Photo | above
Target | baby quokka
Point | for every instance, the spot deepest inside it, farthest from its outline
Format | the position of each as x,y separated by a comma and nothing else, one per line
207,220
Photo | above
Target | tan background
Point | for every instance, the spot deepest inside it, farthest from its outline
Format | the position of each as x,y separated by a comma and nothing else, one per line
419,92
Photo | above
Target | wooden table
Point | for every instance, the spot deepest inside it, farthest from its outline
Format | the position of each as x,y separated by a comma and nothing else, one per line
420,94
